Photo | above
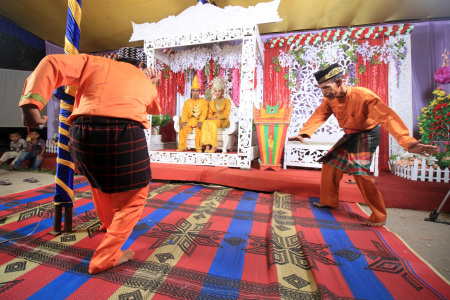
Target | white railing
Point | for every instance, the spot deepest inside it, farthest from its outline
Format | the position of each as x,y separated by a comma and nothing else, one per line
50,147
419,173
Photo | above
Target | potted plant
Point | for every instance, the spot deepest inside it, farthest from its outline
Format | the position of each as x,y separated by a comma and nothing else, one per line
159,121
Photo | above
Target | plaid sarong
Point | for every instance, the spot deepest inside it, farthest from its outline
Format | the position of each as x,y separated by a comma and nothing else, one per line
354,151
111,153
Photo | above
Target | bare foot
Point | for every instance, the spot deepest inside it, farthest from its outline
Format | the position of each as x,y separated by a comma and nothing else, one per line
213,149
126,256
207,148
372,223
321,205
179,150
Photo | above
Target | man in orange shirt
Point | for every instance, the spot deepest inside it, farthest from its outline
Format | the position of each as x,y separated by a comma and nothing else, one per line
107,140
359,112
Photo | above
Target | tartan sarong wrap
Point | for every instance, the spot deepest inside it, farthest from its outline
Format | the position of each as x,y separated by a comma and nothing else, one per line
354,152
111,153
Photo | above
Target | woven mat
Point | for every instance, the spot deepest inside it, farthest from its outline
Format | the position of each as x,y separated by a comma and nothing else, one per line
200,242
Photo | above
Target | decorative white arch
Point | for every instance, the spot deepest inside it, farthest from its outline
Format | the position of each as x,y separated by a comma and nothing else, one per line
205,24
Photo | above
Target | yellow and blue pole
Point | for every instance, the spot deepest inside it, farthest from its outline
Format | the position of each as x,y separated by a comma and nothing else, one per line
65,166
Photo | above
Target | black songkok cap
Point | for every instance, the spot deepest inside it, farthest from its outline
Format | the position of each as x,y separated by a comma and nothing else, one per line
328,73
131,53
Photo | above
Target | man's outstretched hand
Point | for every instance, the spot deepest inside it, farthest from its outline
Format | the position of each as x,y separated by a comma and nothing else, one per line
419,148
296,138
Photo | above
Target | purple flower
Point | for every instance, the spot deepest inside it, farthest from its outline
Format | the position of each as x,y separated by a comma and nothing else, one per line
442,75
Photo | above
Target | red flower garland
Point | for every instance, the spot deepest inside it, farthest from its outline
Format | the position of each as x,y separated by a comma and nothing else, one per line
338,34
180,82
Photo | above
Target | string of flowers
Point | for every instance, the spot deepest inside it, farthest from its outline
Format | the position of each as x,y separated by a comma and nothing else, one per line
236,86
180,83
340,34
166,72
200,80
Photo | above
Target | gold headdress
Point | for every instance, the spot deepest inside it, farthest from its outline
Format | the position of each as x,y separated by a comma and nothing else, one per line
195,84
218,83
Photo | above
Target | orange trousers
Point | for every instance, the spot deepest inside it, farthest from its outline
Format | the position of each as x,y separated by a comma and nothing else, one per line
183,134
329,191
119,213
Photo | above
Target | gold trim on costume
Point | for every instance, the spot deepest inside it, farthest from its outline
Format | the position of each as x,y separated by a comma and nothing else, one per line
330,74
218,102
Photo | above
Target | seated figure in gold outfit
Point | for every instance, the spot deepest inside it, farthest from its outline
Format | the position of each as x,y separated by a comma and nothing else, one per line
218,113
194,113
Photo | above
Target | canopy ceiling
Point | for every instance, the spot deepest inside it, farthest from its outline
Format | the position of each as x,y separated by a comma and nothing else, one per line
106,25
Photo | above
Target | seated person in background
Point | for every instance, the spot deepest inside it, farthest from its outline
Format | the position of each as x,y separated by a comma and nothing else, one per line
218,113
194,113
35,152
17,146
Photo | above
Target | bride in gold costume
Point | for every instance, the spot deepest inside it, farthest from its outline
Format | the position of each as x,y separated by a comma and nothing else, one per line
218,113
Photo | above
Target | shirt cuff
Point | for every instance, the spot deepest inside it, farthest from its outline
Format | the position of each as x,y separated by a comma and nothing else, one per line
35,99
405,144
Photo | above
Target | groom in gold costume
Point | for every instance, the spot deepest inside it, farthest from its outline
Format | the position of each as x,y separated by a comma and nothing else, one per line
194,113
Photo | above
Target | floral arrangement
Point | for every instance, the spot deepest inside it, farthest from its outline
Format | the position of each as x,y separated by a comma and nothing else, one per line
407,159
442,75
304,52
168,51
434,120
434,125
340,34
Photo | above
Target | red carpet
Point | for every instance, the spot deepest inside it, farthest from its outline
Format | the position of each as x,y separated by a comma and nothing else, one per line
397,192
203,242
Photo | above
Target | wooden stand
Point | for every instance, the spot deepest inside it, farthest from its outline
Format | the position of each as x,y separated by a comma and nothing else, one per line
58,219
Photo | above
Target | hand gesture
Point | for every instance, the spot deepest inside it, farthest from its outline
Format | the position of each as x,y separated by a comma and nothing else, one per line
419,148
31,116
182,125
297,138
153,74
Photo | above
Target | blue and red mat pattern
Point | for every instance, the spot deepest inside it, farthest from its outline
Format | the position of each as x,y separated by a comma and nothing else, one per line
200,242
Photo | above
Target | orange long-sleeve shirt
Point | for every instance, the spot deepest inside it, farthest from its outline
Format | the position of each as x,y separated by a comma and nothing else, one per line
106,88
359,109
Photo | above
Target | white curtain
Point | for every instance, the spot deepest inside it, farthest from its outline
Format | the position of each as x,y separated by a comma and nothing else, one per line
11,87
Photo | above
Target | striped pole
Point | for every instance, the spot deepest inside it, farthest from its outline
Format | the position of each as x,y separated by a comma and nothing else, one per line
65,166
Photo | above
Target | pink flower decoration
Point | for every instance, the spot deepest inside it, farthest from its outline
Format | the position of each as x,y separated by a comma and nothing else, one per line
442,75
